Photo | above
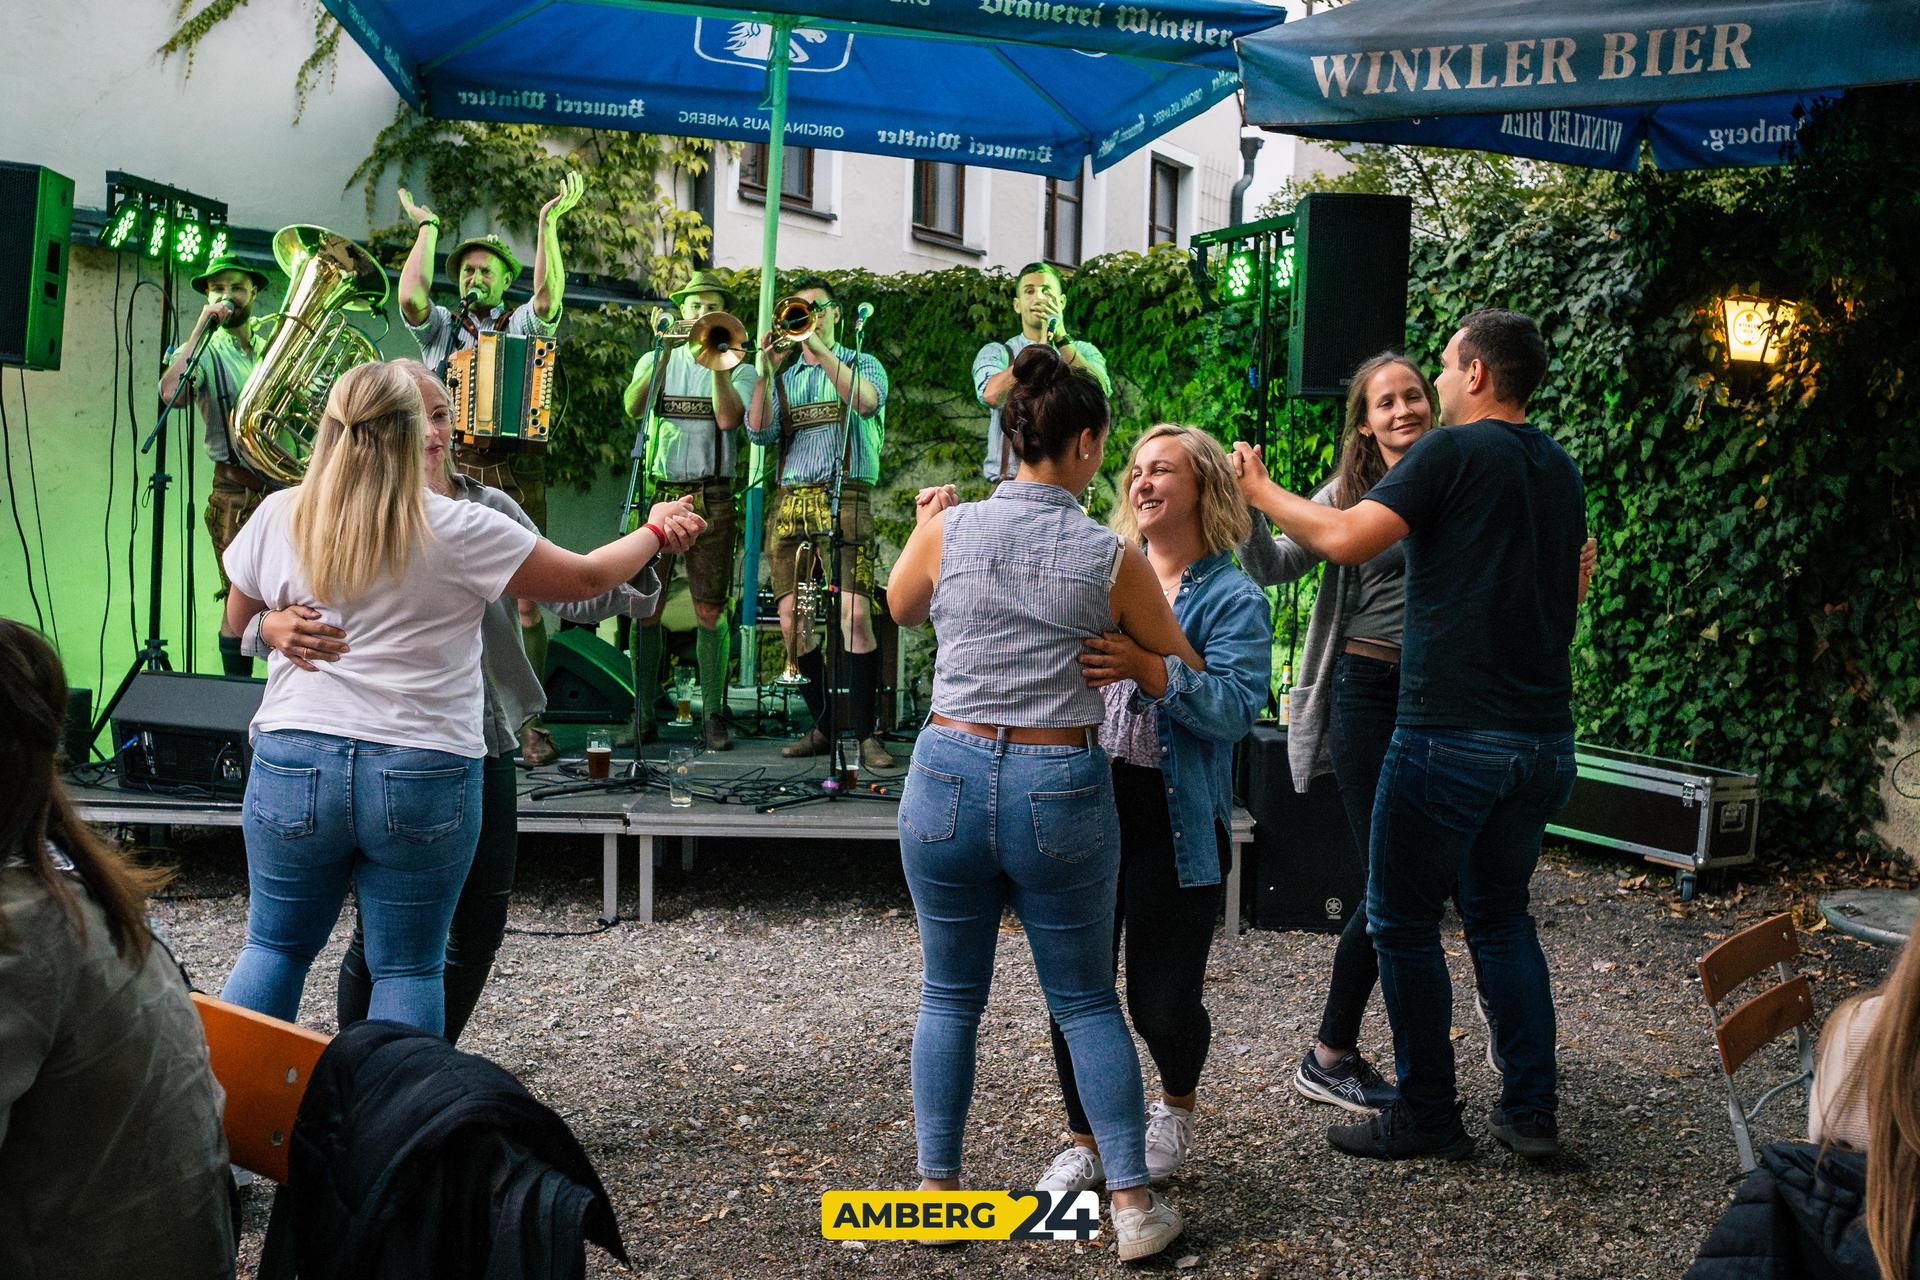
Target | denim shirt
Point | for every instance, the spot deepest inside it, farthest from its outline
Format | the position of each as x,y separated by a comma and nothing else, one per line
1203,715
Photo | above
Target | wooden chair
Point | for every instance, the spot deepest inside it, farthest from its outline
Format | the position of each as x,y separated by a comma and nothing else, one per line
1754,1023
264,1064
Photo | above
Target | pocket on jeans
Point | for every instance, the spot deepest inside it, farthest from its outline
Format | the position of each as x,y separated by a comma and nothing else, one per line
283,800
930,810
1067,825
425,805
1465,781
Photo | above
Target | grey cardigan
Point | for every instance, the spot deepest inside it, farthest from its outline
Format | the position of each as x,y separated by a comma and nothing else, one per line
1271,559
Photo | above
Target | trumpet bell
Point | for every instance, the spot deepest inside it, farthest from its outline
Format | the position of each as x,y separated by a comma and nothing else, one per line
719,341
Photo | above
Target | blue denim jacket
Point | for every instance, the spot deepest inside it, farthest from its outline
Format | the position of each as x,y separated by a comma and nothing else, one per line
1204,714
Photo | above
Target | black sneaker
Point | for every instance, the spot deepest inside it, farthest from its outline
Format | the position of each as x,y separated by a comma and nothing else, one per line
1391,1135
1351,1083
1493,1038
1533,1134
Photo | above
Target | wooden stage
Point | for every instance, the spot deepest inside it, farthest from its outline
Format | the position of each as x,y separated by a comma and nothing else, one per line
751,792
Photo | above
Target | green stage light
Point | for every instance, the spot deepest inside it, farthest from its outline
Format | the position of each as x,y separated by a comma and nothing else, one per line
123,221
189,238
1283,268
217,243
156,246
1240,266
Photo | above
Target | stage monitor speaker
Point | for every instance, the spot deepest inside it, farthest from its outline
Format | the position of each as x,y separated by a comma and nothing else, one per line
588,680
1349,287
1304,872
174,730
36,216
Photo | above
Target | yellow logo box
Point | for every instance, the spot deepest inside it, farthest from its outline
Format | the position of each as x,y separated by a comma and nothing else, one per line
959,1215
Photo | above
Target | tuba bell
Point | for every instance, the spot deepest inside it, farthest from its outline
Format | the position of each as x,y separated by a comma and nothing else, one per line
808,589
310,345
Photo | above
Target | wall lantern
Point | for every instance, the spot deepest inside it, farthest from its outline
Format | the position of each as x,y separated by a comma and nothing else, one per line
1757,328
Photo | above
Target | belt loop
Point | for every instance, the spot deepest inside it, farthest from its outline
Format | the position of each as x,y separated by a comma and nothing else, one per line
1000,734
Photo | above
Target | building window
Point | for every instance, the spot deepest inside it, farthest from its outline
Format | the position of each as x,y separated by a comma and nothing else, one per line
1062,236
939,202
1163,203
796,175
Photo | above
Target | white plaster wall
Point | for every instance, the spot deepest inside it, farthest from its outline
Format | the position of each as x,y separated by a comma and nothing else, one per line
85,92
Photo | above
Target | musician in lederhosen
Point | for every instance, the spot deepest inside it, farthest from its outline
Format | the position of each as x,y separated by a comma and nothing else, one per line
482,268
231,289
692,450
798,403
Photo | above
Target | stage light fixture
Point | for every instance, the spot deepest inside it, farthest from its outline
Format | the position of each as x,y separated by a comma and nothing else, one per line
123,222
189,238
1756,327
1283,267
1240,273
156,242
217,243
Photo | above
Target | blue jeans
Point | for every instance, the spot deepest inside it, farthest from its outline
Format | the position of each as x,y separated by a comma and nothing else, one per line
984,824
1460,814
398,823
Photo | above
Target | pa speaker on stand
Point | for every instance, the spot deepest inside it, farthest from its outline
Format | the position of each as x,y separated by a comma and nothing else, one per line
1349,287
36,217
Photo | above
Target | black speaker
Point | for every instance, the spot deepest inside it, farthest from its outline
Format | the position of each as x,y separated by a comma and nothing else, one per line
1304,872
588,680
1349,287
174,730
74,727
36,215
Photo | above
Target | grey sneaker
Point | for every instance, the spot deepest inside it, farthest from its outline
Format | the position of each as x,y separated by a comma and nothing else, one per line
1077,1168
1142,1233
1169,1134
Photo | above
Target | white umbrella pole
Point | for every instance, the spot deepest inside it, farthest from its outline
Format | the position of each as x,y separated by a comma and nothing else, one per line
780,52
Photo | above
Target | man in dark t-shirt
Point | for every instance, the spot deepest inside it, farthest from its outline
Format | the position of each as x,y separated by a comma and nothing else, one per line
1482,754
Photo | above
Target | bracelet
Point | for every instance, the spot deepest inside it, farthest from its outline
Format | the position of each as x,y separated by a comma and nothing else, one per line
659,534
424,223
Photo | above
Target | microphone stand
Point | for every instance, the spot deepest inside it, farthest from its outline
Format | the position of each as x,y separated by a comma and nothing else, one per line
833,786
153,650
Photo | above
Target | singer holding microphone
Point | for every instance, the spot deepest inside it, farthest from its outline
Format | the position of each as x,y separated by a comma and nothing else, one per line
225,327
483,267
798,403
1040,302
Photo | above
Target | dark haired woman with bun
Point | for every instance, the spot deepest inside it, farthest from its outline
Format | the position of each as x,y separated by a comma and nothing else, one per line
1010,798
112,1162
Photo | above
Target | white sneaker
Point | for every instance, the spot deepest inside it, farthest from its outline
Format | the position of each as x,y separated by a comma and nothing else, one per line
1077,1168
1169,1134
1145,1232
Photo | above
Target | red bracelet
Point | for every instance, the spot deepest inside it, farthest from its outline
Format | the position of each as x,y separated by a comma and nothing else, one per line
659,533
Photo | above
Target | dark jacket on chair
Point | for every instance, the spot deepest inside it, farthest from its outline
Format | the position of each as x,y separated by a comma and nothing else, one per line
413,1160
1789,1221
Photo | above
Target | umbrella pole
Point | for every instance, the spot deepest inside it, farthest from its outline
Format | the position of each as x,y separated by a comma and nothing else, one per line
780,52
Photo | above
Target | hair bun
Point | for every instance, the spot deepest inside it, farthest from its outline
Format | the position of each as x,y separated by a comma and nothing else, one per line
1038,366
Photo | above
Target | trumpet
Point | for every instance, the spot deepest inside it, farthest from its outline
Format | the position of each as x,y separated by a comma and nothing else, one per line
719,341
808,590
794,319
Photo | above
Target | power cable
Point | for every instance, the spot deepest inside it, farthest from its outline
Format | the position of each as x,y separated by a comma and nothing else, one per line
39,529
13,503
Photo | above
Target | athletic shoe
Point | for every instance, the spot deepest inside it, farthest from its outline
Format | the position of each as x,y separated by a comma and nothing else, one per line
1144,1232
1169,1134
1392,1135
1486,1021
1351,1083
1077,1168
1533,1134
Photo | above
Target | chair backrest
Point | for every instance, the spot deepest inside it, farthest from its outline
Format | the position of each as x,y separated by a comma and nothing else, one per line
264,1065
1754,1023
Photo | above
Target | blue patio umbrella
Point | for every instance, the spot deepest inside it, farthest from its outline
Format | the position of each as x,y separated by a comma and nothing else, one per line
1030,85
1708,83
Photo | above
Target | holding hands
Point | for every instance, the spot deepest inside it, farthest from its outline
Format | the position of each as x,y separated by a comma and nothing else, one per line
1113,656
678,522
1250,472
929,503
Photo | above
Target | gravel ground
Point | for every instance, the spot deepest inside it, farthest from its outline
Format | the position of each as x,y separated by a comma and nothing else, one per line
749,1051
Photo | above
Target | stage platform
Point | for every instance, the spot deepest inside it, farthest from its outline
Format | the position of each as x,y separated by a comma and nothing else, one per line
750,792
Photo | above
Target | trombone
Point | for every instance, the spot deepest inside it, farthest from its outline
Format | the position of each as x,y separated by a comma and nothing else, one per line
719,341
794,320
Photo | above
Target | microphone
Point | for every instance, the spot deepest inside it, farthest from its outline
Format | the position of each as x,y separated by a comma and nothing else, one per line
472,296
228,310
1053,330
861,314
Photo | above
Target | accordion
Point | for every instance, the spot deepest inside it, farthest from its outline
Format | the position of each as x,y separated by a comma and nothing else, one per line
501,390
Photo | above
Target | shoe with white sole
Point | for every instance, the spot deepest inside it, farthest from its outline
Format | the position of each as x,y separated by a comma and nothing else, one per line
1141,1233
1169,1135
1076,1169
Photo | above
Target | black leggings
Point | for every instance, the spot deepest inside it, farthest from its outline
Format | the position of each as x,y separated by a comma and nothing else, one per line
1168,931
1366,696
479,918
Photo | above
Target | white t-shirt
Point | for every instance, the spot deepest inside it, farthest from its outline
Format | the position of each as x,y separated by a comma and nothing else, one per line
413,676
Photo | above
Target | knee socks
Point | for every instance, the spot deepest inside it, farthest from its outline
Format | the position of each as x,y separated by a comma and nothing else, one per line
647,648
711,653
232,661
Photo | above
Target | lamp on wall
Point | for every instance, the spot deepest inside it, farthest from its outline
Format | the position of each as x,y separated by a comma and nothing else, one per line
1756,328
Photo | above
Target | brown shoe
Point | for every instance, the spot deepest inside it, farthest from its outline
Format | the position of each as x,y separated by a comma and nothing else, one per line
536,746
713,735
875,756
814,744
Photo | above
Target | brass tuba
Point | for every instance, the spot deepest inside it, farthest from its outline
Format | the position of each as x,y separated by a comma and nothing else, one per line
807,592
310,345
